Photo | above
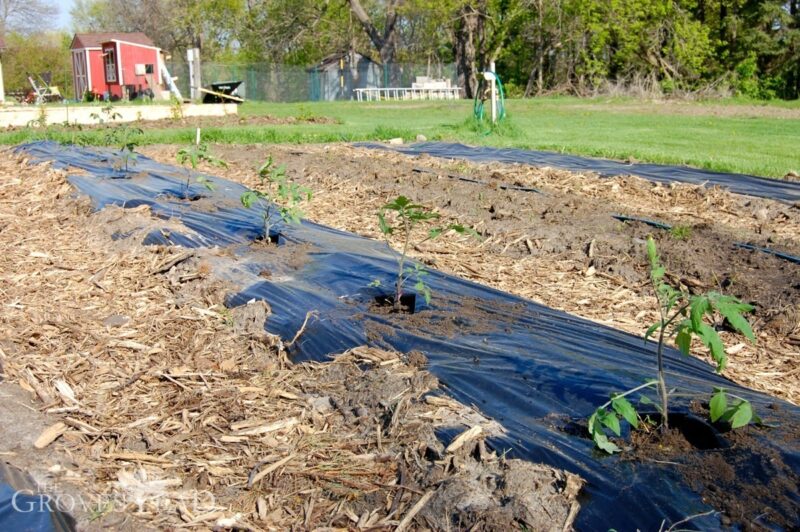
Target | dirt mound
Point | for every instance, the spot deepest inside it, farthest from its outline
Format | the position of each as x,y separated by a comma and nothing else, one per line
737,474
502,496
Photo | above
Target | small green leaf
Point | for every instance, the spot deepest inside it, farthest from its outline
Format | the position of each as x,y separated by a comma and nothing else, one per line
426,292
650,330
594,425
652,253
742,415
263,170
718,404
698,307
248,198
385,228
684,337
602,442
711,340
657,273
626,410
610,420
732,308
464,230
596,432
435,232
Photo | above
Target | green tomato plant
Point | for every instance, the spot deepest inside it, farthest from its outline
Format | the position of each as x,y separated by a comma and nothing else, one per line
192,156
276,191
107,113
684,316
126,139
399,217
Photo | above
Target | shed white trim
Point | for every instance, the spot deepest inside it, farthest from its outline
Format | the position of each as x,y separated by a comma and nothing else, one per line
134,44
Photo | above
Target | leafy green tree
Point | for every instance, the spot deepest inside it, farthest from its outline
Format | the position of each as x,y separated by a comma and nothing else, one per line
36,54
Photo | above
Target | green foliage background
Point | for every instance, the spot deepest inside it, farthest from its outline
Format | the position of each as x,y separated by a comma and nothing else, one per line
36,54
583,47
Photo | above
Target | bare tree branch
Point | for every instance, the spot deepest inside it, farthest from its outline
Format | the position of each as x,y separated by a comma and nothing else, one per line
26,16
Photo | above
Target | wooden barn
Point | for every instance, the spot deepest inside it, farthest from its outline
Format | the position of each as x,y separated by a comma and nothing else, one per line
115,65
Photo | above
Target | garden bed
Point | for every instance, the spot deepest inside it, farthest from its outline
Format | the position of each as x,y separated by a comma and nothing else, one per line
563,248
155,406
542,357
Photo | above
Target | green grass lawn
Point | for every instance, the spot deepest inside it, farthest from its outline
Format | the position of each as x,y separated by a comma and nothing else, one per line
731,135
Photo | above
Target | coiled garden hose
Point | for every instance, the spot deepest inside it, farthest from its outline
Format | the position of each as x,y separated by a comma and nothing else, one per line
483,94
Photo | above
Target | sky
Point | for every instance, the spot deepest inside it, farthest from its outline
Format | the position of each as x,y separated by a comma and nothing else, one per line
64,20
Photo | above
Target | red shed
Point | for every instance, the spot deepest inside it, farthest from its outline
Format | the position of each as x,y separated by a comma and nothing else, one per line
113,63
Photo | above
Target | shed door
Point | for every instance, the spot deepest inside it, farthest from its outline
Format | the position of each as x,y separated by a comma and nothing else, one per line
79,61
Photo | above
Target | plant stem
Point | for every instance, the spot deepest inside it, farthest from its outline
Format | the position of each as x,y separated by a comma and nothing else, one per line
660,355
401,264
632,390
662,385
737,397
267,219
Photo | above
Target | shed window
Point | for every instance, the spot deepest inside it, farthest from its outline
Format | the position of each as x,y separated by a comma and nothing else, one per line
110,61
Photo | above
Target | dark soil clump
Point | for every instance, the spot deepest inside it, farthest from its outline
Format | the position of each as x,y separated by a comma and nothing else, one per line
736,472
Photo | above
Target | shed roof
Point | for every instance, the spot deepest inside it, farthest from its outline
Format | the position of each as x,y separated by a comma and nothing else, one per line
94,40
332,60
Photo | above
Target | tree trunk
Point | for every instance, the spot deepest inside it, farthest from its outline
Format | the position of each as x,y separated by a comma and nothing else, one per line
385,42
540,52
466,35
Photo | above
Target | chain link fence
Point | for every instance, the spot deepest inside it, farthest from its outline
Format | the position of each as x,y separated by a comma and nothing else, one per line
329,80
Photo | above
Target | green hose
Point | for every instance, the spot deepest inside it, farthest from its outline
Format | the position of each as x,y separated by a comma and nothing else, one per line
477,106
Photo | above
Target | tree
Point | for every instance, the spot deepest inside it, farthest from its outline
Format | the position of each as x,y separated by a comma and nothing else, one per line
26,16
293,31
384,40
36,54
481,30
155,18
174,25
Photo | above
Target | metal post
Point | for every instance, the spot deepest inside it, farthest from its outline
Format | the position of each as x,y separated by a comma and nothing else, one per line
491,78
494,100
190,61
2,86
494,92
193,57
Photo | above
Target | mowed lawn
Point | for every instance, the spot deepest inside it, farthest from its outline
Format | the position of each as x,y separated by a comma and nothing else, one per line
725,135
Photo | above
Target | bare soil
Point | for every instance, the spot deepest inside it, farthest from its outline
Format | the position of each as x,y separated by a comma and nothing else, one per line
562,247
233,121
736,473
180,122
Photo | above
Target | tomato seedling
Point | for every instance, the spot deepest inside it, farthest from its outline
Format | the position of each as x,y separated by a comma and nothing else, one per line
683,316
399,217
275,187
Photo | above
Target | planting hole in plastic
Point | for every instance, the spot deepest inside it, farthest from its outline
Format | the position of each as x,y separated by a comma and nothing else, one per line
698,432
274,237
408,302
